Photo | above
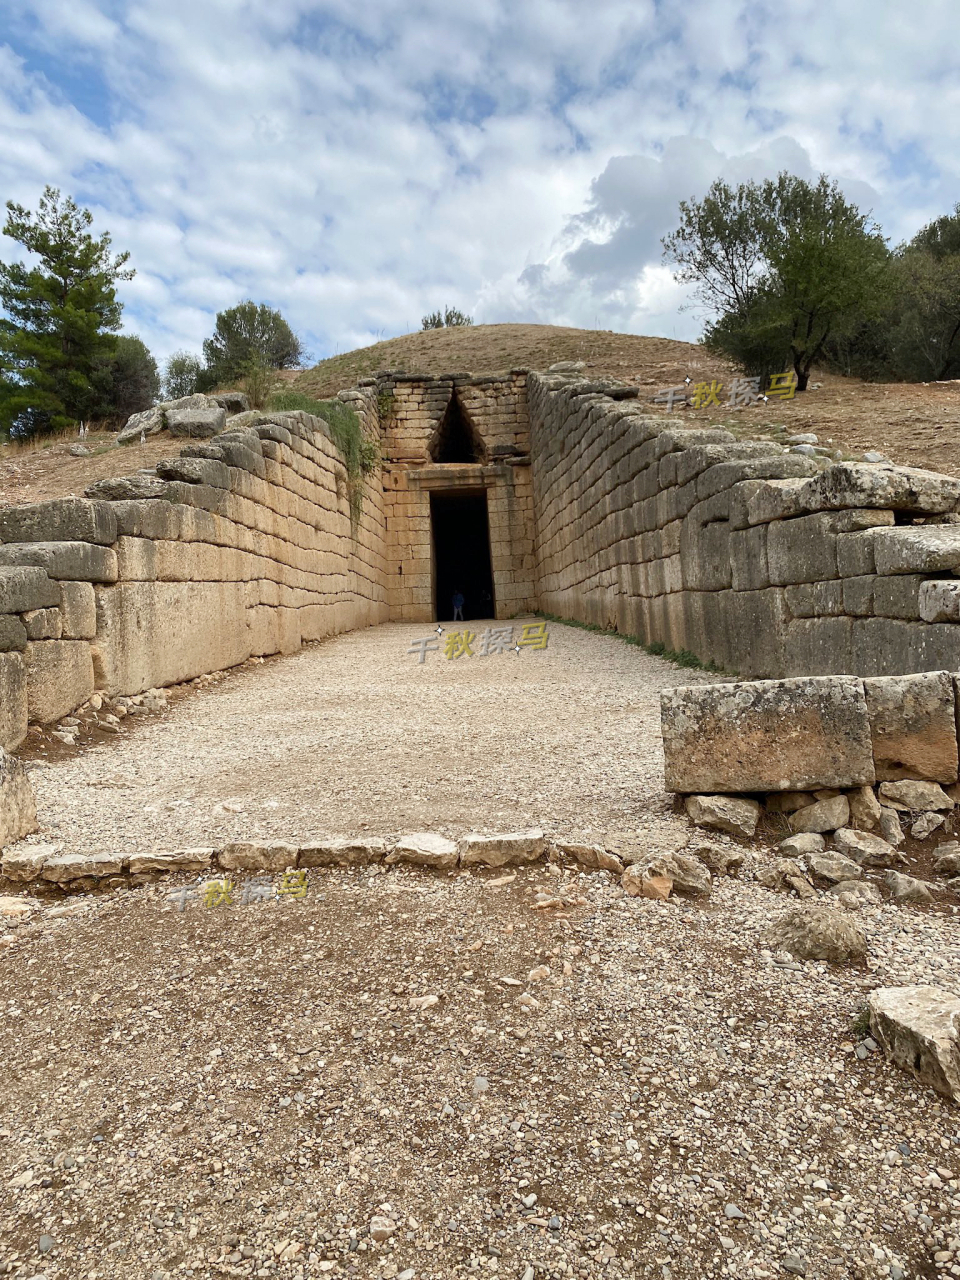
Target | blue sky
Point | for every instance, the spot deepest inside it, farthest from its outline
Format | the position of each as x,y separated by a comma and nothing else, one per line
360,165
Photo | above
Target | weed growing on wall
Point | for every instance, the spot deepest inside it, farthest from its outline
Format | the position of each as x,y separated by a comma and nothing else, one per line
681,657
360,455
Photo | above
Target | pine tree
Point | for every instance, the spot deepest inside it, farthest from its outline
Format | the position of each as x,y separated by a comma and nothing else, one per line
60,315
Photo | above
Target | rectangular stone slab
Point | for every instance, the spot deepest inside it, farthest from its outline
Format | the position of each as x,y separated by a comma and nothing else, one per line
767,735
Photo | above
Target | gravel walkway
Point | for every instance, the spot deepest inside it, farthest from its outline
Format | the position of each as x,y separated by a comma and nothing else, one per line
354,734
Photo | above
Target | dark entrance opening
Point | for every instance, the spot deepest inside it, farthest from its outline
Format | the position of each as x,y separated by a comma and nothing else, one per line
455,439
461,554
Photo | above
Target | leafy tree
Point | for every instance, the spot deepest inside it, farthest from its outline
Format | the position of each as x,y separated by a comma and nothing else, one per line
925,339
450,318
248,335
60,315
127,381
182,375
786,265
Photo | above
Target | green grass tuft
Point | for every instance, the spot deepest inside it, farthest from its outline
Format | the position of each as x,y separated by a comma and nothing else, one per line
681,657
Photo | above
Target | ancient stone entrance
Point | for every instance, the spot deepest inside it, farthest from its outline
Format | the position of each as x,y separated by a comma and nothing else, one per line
461,553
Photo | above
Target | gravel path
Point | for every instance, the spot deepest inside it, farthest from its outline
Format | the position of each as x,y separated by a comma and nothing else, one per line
353,734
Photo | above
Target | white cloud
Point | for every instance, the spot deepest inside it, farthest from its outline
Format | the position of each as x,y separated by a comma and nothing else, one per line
359,165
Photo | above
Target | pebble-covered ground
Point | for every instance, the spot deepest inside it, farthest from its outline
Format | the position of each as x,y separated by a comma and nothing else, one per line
413,1075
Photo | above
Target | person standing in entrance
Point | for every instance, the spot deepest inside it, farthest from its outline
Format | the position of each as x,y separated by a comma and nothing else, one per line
458,605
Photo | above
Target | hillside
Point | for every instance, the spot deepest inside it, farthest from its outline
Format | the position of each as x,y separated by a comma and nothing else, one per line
914,424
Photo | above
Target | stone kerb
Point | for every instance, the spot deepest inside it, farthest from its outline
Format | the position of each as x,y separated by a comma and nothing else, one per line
240,544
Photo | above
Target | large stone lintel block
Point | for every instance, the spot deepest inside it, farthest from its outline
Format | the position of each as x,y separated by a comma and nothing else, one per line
767,735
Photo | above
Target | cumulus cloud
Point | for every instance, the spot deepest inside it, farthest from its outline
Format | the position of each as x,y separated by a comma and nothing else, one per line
358,166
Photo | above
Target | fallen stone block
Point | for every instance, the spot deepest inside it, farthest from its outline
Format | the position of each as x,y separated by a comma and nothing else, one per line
64,867
26,863
866,849
767,735
905,889
247,856
926,825
426,849
833,868
890,827
656,888
732,814
717,859
825,815
910,796
176,860
817,933
919,1028
802,845
946,860
865,809
592,855
501,850
343,851
784,873
18,808
688,875
913,726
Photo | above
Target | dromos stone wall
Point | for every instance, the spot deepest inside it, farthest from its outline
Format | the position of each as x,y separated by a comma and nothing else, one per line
242,545
751,557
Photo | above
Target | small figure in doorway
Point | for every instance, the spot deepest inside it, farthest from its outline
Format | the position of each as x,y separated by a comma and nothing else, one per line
458,605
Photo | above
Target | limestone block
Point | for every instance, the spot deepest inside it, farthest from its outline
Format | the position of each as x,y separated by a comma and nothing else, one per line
44,624
158,633
22,589
78,561
13,634
501,850
859,484
822,645
909,796
27,862
817,933
865,809
748,559
263,634
824,815
919,1028
343,851
13,700
203,471
18,809
913,726
814,599
767,735
918,549
732,814
197,422
64,867
865,849
248,856
59,677
939,601
425,848
685,875
62,520
128,488
897,596
78,610
176,860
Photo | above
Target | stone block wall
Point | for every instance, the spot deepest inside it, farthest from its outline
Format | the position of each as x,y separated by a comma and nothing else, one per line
408,410
240,546
762,561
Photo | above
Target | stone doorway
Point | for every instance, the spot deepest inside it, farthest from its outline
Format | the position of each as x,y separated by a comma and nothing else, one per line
460,530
